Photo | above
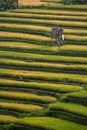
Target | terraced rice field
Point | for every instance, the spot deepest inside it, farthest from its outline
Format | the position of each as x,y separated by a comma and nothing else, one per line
43,86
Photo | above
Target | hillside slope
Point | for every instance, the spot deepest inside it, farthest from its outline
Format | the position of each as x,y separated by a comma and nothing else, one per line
43,86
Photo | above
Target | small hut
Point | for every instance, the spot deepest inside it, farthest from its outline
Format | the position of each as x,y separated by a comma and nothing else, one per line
8,4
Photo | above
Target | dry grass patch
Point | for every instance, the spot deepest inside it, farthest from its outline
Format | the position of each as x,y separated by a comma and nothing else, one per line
26,3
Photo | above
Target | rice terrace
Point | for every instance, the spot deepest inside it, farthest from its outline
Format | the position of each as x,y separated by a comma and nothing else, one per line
43,64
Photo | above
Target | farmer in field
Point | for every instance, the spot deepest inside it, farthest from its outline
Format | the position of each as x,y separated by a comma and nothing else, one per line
57,33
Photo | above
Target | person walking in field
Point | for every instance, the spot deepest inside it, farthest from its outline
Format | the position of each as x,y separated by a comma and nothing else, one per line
57,33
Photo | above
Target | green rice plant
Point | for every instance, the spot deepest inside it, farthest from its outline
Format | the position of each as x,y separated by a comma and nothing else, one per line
52,12
50,87
43,58
38,38
32,29
81,95
75,31
43,66
27,37
76,38
69,7
42,16
44,22
65,7
44,76
72,112
52,1
73,48
4,119
48,123
26,97
69,107
28,47
25,108
42,30
78,97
